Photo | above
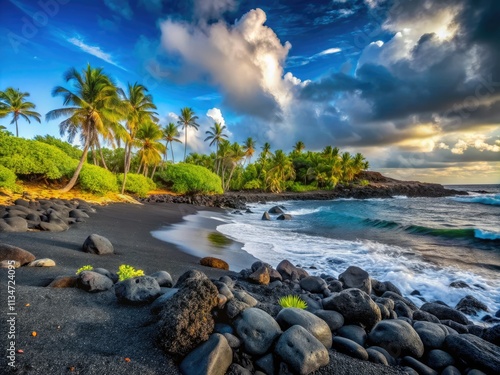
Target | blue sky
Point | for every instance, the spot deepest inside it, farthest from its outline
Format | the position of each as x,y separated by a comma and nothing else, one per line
412,84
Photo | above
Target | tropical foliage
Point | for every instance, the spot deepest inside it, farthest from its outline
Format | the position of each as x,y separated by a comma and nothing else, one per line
185,178
97,180
8,179
127,272
187,120
137,184
13,102
292,301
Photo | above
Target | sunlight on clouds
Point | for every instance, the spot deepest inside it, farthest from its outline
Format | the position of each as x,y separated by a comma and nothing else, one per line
216,115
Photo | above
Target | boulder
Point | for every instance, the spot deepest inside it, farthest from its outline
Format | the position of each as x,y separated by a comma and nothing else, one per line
356,306
355,277
245,297
431,334
397,297
316,326
235,307
375,356
438,360
78,214
403,310
232,340
459,284
137,290
349,347
284,217
64,282
354,333
163,279
52,227
44,262
96,244
289,272
266,364
451,370
443,312
13,224
313,284
260,276
476,352
334,319
103,271
418,366
213,357
425,316
380,287
236,369
9,252
470,305
492,335
456,327
266,216
398,338
389,358
301,351
257,330
276,210
186,320
93,282
214,263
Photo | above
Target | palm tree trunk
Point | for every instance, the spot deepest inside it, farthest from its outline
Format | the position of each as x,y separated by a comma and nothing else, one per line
185,142
154,171
139,169
102,156
172,151
17,130
126,166
78,169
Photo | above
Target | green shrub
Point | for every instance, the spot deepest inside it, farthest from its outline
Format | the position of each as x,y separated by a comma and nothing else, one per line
297,187
137,184
364,182
292,301
8,180
72,151
97,180
253,184
88,267
185,178
35,159
127,272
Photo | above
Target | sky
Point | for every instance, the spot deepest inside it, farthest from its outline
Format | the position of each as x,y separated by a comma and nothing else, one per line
414,85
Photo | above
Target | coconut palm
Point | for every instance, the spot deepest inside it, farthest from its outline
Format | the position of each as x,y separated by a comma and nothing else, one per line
216,135
187,119
234,157
281,171
299,147
92,107
249,148
170,134
13,102
139,108
150,152
347,167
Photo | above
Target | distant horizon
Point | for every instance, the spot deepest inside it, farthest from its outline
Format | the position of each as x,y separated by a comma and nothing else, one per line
412,85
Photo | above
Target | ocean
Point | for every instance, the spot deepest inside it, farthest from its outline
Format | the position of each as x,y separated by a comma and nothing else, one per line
420,244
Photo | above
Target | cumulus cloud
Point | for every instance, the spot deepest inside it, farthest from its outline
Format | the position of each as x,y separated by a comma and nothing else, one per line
216,115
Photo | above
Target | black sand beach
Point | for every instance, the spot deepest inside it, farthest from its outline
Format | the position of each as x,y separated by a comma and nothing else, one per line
84,333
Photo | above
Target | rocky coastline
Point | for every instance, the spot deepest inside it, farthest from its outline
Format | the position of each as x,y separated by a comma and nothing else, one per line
379,187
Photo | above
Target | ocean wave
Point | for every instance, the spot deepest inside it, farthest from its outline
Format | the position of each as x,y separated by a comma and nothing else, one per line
488,199
486,235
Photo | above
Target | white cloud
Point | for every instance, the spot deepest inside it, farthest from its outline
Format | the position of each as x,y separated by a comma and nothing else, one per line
329,51
216,115
212,9
443,146
94,51
460,147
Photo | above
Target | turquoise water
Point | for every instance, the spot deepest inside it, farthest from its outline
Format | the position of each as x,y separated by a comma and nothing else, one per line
419,244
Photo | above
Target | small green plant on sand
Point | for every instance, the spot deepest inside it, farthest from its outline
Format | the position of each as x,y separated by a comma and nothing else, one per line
88,267
127,272
292,301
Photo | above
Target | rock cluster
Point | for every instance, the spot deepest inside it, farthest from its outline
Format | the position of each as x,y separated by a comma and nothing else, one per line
54,215
245,331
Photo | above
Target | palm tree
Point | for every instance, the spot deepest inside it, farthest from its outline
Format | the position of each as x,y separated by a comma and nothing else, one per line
234,157
249,147
187,119
281,171
264,154
12,101
151,149
170,134
139,109
216,134
94,110
347,167
299,147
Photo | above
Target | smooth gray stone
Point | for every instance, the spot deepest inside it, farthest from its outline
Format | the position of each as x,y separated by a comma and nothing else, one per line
257,329
303,352
316,326
398,338
245,297
375,356
167,294
349,347
213,357
354,333
334,319
439,359
96,244
313,284
431,334
390,359
163,279
418,366
444,312
451,370
355,277
93,282
137,290
476,352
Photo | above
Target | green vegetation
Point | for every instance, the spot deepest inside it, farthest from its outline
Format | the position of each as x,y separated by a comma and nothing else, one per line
33,159
127,272
8,180
12,102
218,239
88,267
292,301
185,178
97,180
100,113
137,184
